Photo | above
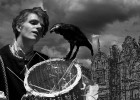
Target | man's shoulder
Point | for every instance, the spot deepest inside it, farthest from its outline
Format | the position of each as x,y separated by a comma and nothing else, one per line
4,49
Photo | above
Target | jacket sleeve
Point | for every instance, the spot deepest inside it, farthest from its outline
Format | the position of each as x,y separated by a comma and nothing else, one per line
2,79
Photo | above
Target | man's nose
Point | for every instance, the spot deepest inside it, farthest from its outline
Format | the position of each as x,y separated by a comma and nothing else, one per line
38,27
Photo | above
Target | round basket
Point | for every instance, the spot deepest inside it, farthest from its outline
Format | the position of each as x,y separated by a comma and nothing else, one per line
53,78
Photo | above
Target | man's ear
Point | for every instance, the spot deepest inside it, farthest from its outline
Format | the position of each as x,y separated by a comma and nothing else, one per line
18,27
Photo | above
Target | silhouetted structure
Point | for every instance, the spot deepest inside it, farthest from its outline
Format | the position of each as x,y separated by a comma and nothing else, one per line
118,74
100,73
130,70
74,36
114,70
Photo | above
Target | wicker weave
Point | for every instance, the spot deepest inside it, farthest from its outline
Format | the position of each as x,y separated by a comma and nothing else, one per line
53,79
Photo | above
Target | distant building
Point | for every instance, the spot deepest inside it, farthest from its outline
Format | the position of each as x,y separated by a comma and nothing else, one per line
130,70
100,73
114,70
118,75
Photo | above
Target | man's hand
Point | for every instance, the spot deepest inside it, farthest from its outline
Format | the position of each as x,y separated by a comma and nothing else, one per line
2,96
92,93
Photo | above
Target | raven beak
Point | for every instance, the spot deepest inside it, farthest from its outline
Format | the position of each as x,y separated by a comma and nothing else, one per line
51,30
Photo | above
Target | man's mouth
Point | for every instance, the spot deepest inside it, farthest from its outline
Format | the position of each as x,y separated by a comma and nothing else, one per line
35,32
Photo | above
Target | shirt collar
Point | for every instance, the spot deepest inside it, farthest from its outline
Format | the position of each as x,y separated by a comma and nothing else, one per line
18,52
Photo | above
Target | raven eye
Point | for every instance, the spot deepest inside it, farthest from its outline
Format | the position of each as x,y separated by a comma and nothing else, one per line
57,26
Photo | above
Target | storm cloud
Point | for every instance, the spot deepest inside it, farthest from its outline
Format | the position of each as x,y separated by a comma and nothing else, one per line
109,20
91,16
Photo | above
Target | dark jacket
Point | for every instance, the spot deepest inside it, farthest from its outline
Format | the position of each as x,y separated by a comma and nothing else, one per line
11,74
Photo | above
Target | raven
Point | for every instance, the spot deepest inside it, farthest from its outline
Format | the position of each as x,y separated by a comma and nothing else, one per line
74,36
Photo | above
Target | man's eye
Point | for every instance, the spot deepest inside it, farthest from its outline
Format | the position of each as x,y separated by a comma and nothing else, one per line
34,22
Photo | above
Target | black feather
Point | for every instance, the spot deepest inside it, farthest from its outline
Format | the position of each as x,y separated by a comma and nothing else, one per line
74,36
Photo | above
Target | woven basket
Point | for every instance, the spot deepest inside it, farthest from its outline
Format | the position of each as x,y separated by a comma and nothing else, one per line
53,79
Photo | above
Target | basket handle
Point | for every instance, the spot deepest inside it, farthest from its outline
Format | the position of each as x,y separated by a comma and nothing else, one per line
67,71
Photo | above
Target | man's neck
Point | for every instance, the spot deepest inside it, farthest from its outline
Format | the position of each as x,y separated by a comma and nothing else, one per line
25,45
22,50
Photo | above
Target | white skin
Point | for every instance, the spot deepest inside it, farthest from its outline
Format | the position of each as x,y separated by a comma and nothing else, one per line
29,34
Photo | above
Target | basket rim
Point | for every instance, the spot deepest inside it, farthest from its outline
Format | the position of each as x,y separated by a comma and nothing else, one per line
54,94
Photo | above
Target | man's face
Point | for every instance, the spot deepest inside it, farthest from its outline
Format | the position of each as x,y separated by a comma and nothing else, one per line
32,27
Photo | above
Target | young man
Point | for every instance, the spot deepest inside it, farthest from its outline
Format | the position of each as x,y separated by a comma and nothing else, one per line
29,27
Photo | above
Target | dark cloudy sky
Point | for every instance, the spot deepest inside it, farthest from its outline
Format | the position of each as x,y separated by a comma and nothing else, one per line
110,20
